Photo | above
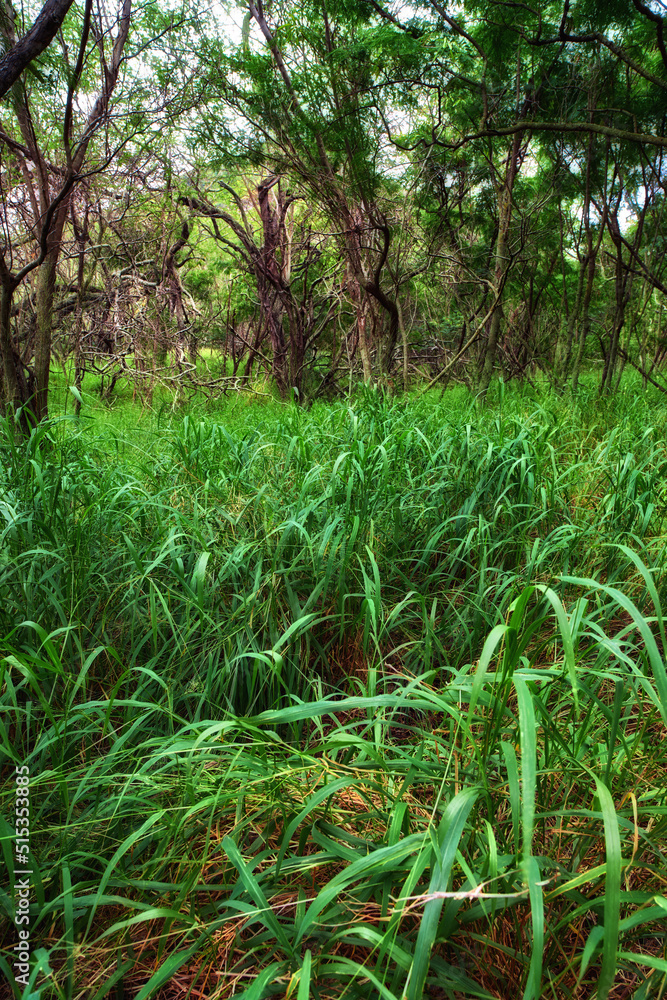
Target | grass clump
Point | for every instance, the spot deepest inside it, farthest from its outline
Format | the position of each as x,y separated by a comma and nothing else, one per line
368,700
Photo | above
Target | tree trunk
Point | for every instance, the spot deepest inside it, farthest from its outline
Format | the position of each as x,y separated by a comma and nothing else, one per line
269,282
13,390
406,346
584,324
564,350
501,266
623,288
44,298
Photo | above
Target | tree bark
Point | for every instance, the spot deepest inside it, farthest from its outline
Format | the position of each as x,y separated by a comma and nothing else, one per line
623,289
500,271
584,323
269,283
39,37
44,301
10,367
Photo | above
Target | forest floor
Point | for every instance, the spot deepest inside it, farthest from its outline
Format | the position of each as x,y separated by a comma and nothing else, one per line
365,700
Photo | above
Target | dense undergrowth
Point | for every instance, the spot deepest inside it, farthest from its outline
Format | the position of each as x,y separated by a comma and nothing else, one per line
368,700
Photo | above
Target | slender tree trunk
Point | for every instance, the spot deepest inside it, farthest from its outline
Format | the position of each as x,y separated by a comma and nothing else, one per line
584,325
406,346
273,318
44,300
504,190
644,348
501,265
586,273
563,358
364,346
269,282
45,291
11,380
79,367
391,307
254,348
623,286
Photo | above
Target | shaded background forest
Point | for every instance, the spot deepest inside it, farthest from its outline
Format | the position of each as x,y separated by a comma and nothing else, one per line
326,192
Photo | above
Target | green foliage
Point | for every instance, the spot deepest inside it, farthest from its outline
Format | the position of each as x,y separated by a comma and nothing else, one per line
343,699
603,15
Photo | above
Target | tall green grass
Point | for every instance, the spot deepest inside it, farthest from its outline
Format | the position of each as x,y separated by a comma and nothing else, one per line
365,700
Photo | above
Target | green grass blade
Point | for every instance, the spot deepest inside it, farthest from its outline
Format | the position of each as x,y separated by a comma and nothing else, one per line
264,913
533,990
304,978
382,861
528,762
450,831
565,630
612,895
167,970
